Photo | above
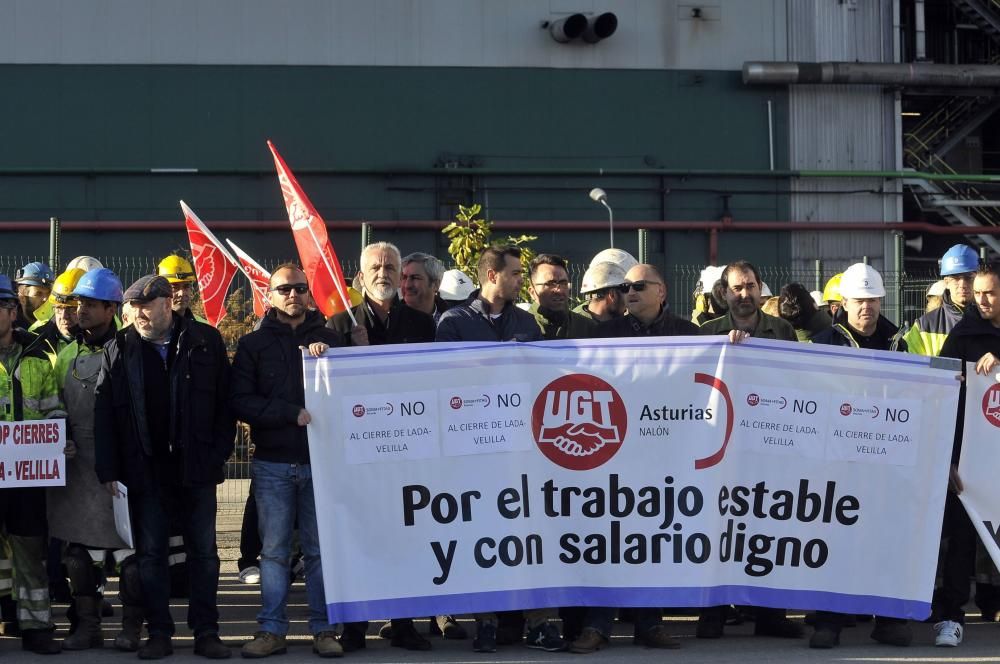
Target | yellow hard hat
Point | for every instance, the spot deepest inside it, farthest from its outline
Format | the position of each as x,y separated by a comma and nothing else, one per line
176,269
62,288
832,291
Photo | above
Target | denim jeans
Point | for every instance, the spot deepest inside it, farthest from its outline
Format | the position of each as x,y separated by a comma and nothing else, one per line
159,507
284,491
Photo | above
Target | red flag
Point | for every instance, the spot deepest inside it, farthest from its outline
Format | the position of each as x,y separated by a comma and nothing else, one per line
319,261
258,276
213,265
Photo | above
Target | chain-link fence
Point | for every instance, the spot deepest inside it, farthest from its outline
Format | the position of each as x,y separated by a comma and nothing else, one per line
906,289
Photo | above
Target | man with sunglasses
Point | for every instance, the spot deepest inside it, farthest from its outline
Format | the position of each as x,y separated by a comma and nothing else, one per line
163,427
268,393
549,289
81,512
645,294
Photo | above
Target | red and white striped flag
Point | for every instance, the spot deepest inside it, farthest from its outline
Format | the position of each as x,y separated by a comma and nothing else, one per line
259,279
326,281
213,265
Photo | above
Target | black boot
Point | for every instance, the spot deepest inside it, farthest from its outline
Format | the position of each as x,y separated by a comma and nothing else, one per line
128,639
88,630
40,642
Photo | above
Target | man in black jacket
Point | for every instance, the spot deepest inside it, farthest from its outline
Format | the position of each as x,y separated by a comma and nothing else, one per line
383,319
268,393
163,428
975,338
490,313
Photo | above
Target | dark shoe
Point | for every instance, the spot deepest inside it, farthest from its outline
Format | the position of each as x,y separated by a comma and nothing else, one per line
709,628
88,629
129,638
325,644
510,627
448,627
590,640
264,644
385,631
656,637
351,640
782,628
893,633
157,646
545,637
40,642
211,646
825,637
408,638
486,638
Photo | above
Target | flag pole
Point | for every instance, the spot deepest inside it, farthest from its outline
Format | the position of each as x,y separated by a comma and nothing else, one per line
336,282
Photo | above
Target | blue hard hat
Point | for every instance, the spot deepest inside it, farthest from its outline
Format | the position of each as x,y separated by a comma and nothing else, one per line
35,274
958,260
100,284
6,288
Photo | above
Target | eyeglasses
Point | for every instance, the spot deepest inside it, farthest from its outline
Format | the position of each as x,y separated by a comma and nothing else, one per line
286,289
553,284
638,286
8,304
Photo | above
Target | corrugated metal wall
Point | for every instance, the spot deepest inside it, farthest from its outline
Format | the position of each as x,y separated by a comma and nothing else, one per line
837,127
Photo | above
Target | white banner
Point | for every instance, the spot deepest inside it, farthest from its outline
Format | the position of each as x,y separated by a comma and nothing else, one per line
682,471
31,453
981,457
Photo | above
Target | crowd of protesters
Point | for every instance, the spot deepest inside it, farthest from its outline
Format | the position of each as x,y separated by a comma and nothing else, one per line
151,400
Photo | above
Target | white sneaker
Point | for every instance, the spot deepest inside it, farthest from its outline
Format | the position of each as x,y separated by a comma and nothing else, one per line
949,633
250,575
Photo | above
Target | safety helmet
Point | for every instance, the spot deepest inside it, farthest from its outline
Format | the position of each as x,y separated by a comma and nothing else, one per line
601,276
34,274
831,292
62,290
6,288
936,289
176,269
959,260
765,290
85,263
817,297
709,275
100,284
620,257
861,281
456,286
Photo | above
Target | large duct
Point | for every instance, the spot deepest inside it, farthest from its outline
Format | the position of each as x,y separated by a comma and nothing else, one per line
913,74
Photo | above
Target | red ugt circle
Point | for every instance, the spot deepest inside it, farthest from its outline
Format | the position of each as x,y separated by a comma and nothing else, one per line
579,421
991,405
358,410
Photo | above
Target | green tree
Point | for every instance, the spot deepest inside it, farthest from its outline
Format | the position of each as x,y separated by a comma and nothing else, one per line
470,234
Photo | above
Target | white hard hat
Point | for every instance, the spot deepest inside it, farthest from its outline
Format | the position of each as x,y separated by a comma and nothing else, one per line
619,257
85,263
709,276
765,290
456,286
601,275
861,281
936,289
817,297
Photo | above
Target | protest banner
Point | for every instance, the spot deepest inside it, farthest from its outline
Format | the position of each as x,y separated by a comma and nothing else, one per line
981,457
31,453
683,471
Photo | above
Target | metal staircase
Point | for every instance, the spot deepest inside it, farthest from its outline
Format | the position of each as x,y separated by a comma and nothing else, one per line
984,13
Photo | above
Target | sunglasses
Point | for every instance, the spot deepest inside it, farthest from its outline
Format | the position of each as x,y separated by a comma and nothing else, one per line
286,289
638,286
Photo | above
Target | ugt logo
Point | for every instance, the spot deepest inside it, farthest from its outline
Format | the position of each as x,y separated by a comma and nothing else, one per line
991,405
579,421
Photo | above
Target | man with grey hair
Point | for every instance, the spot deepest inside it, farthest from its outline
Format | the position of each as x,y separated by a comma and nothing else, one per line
382,318
421,279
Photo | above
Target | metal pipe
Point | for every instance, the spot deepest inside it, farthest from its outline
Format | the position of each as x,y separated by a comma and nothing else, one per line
523,172
770,133
549,225
920,30
54,243
912,74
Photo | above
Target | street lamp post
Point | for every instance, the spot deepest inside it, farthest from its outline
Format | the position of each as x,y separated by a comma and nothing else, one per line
599,196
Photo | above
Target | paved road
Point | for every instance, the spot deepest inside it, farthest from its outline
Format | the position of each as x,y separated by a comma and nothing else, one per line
238,604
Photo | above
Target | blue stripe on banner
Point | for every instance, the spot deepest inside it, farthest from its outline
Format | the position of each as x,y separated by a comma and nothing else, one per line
508,600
